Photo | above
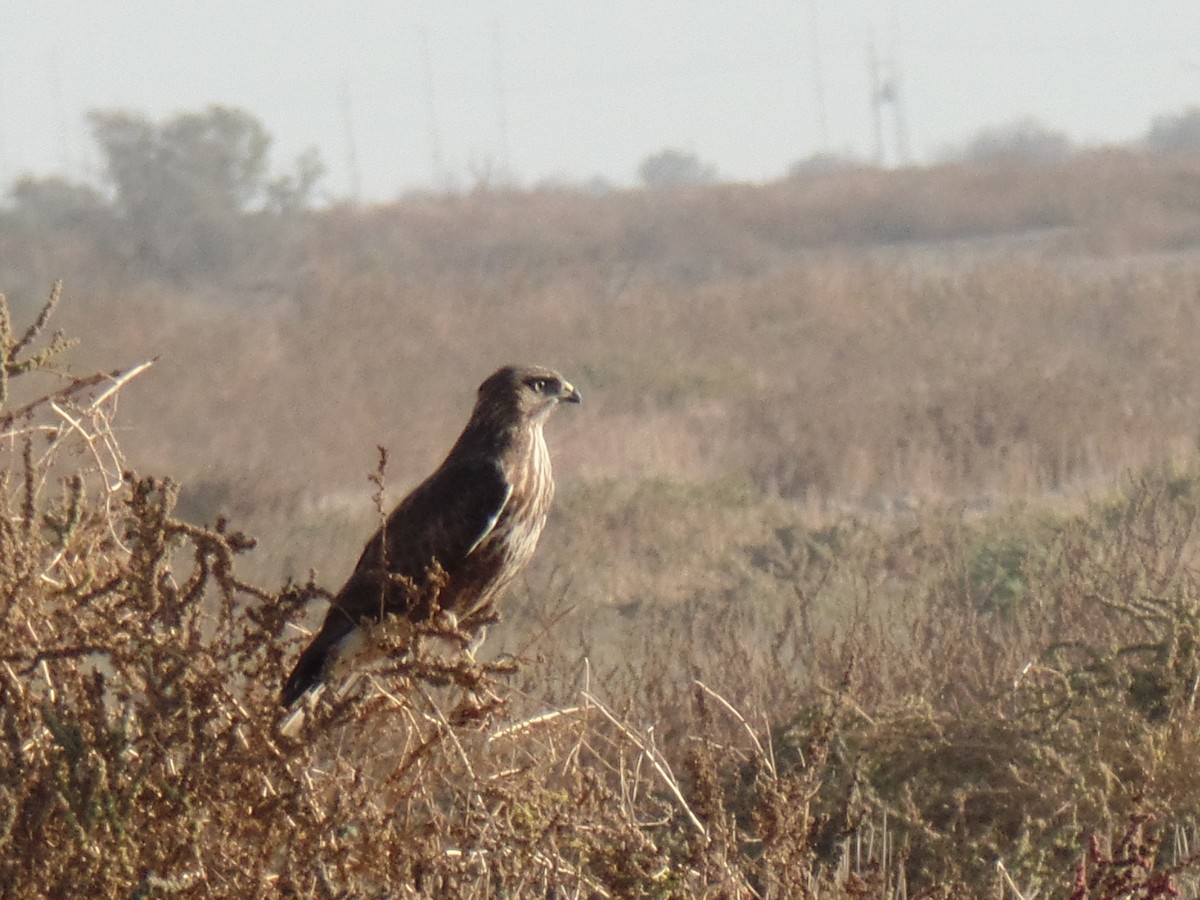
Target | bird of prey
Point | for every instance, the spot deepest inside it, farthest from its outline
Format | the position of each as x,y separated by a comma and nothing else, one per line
462,534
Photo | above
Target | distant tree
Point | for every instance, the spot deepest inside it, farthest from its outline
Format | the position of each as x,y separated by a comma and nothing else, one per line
821,164
675,168
214,159
182,187
1178,133
55,203
597,186
294,192
1026,139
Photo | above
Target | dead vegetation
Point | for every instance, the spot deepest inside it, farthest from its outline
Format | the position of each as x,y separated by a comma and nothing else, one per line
924,707
873,571
860,340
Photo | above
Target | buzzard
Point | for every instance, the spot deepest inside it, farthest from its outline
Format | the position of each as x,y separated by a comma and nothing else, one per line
461,535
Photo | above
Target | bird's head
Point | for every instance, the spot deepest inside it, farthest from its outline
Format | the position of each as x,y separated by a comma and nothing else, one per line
527,393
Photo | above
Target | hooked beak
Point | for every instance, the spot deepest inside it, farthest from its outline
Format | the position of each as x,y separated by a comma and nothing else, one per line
569,394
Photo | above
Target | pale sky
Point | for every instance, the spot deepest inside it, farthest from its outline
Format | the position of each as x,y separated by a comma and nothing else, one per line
560,90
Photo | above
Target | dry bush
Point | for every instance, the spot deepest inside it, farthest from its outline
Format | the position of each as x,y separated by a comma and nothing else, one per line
768,646
943,707
140,754
929,708
1048,698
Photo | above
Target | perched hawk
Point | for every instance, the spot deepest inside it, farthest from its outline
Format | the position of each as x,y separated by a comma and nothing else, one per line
470,526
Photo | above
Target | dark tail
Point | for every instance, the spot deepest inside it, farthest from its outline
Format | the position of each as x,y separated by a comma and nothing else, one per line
306,675
310,668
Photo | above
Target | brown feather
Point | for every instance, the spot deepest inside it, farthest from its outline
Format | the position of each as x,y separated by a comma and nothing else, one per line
470,526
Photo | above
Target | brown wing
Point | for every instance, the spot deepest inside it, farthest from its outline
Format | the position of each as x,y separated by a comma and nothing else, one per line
442,521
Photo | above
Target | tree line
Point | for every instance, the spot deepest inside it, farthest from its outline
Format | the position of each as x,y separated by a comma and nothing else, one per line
179,196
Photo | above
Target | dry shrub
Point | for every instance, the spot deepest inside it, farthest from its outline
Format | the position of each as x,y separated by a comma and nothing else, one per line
917,707
141,756
1022,730
995,696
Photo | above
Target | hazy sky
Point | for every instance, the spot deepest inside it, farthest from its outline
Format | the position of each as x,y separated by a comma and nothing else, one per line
568,90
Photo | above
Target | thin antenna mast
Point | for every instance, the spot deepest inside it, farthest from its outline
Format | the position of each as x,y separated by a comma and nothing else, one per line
818,77
353,174
4,179
877,99
437,170
886,91
899,109
60,114
501,99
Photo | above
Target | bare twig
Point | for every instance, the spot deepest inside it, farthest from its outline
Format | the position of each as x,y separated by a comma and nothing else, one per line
732,710
655,758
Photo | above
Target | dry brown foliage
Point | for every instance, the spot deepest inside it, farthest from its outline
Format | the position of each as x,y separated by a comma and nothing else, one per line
745,664
855,340
912,751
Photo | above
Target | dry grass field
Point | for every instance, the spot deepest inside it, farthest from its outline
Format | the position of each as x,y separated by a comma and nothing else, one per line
873,570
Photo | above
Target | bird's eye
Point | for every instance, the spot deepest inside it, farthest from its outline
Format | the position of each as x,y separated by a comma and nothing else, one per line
539,385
